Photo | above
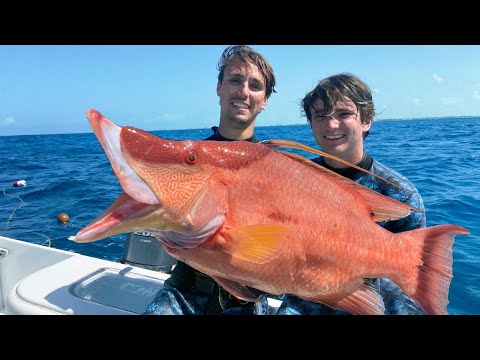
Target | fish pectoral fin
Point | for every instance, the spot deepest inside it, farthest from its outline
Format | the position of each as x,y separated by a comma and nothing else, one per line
364,301
240,291
257,243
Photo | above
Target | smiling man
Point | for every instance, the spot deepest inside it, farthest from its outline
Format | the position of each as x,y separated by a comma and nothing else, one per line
340,111
339,127
245,83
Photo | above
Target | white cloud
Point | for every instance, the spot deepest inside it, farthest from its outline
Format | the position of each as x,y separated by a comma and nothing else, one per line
163,118
417,102
438,79
9,120
169,117
476,95
451,101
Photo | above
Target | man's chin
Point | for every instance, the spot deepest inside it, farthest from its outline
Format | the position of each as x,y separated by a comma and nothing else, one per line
242,121
335,150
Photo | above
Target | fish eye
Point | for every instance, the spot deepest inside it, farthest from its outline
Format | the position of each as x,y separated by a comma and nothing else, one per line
191,157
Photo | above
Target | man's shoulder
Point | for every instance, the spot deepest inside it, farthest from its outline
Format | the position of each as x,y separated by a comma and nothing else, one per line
406,192
380,167
391,175
214,136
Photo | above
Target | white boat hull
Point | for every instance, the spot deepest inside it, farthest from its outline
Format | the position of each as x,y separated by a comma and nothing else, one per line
39,280
36,279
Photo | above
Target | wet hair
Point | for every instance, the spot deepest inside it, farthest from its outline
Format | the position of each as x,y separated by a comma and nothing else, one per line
337,88
245,54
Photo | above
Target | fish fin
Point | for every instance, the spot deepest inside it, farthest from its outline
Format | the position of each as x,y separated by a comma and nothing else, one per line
296,145
240,291
383,208
428,285
257,243
364,301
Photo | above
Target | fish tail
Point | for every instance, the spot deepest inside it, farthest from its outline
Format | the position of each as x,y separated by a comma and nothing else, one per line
430,284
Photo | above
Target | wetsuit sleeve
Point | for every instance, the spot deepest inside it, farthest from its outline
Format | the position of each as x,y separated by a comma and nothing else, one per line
415,220
171,300
293,305
395,300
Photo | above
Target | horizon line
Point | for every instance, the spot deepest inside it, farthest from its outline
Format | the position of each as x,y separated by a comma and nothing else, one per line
263,126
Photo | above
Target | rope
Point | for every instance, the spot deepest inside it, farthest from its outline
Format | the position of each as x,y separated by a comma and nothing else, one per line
45,236
23,203
11,215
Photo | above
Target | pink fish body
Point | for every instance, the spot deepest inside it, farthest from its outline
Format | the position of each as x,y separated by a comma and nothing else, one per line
258,220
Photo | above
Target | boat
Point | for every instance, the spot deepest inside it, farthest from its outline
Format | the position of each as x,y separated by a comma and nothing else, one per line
41,280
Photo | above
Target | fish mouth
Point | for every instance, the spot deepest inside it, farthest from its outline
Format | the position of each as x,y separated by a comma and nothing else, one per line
108,134
139,208
119,217
137,201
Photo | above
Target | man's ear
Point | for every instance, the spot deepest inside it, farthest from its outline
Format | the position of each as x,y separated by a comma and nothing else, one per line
219,84
265,102
366,125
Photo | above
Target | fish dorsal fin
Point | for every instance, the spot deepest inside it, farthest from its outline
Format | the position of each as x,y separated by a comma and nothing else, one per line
240,291
364,301
257,243
382,208
296,145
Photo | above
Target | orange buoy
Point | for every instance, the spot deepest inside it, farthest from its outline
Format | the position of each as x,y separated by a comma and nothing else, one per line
62,217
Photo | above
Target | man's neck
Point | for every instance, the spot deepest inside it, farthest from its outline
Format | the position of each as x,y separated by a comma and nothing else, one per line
354,159
349,172
235,134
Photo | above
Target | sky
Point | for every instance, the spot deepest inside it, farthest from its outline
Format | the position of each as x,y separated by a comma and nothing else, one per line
46,89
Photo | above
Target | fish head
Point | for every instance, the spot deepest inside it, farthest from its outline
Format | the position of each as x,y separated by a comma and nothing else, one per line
167,186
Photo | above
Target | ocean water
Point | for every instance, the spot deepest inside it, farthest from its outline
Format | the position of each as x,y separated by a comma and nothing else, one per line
70,173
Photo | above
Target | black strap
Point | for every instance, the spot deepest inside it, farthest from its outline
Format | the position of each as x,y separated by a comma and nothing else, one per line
184,277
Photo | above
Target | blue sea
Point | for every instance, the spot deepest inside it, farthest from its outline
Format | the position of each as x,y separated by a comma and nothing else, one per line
70,173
